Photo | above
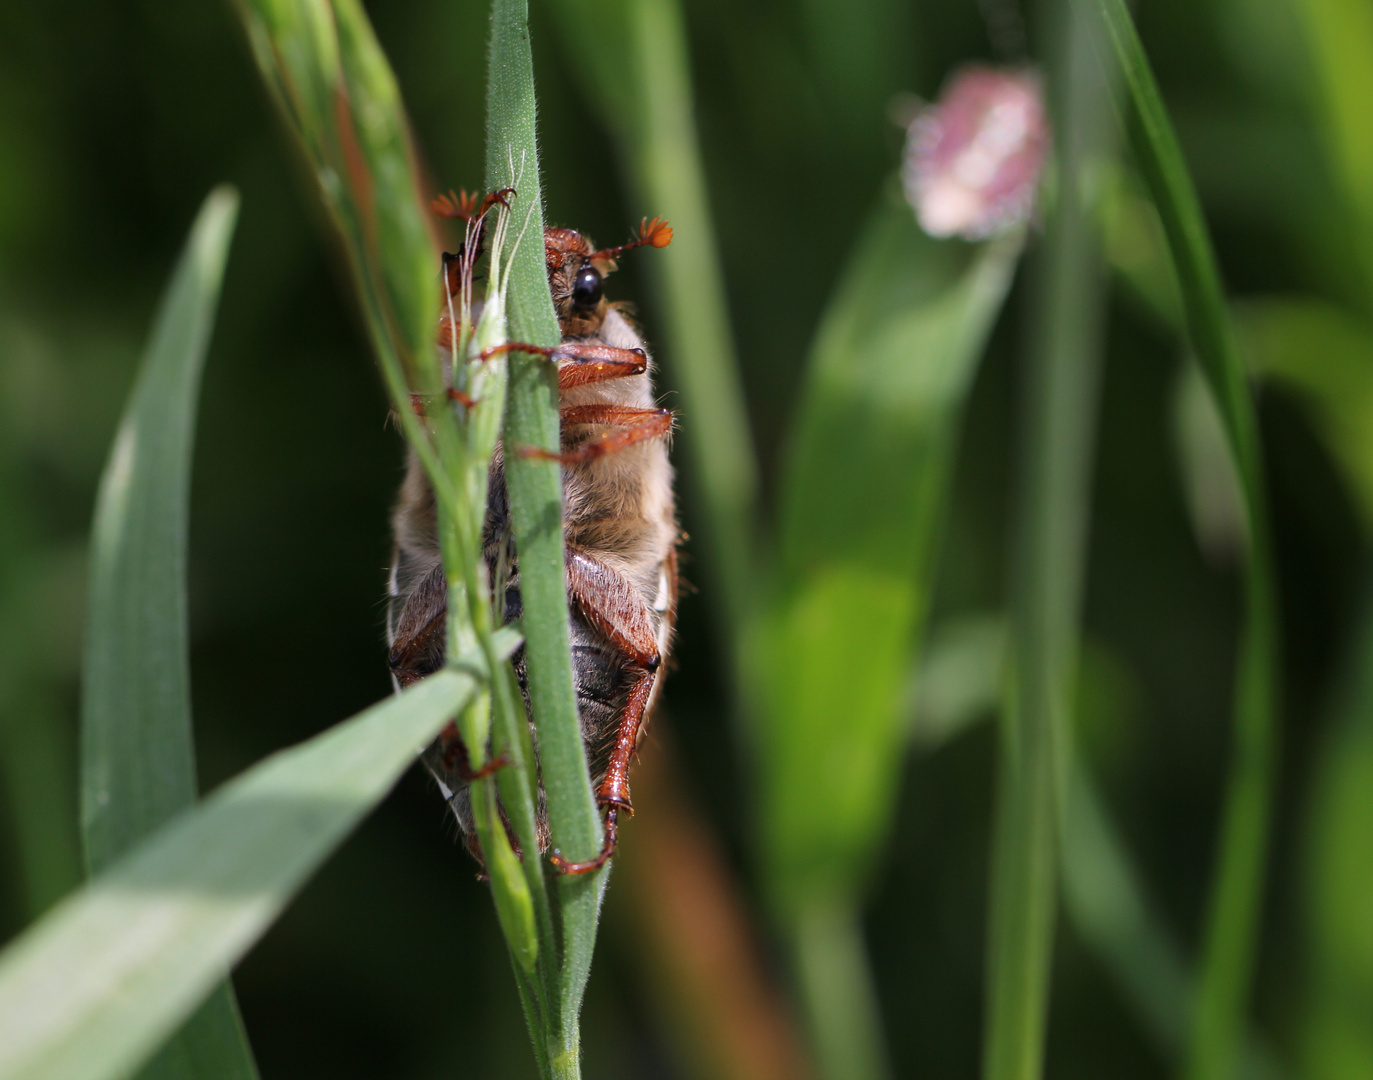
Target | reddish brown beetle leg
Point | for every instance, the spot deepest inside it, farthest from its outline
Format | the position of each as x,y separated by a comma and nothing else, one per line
455,757
635,426
611,604
598,363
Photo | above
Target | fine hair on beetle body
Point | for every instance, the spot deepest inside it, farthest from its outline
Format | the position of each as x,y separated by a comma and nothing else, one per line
619,526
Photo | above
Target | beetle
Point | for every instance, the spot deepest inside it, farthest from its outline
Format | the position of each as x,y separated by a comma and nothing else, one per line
619,524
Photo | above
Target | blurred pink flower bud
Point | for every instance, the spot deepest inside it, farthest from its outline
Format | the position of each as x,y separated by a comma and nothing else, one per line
973,158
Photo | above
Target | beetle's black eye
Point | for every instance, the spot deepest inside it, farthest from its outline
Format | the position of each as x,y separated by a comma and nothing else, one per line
586,290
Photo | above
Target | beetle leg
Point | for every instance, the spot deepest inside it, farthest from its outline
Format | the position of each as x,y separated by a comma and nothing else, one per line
621,361
417,401
611,604
597,363
454,757
633,426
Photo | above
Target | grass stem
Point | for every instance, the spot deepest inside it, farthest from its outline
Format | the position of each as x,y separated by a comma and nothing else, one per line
1058,429
1232,922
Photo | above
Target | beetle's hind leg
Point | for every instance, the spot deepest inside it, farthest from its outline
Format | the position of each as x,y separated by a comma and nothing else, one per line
610,603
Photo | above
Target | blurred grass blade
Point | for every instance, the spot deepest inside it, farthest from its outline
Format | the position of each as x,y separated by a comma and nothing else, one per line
1232,923
1323,353
1058,427
1340,35
535,488
137,748
1104,895
862,508
958,680
1337,1035
640,68
89,991
1105,900
1208,477
861,511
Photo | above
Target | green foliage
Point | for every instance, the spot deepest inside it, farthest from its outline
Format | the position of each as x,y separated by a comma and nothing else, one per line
536,512
821,633
1049,558
1228,964
138,756
137,752
860,516
90,991
862,510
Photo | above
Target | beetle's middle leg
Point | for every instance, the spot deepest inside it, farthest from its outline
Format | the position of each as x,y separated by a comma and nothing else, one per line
631,427
610,603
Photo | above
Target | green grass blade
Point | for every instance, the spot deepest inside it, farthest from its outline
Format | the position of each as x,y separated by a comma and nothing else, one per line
836,987
861,511
1056,451
1232,923
1340,36
862,507
1105,897
138,765
535,488
137,748
91,989
1337,1027
639,64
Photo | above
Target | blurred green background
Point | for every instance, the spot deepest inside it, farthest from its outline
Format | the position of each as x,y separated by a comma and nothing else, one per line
114,122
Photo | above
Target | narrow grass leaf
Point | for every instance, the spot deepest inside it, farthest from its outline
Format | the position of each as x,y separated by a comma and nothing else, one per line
137,751
1232,922
1340,37
862,505
137,747
1058,428
1337,1021
89,991
532,422
535,488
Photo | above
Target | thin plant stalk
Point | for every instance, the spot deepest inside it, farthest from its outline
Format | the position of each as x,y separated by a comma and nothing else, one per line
1232,921
340,98
1058,429
535,489
836,989
664,150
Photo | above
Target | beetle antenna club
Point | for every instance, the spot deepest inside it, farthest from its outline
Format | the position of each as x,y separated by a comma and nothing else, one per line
656,233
